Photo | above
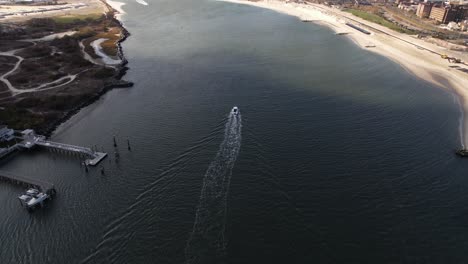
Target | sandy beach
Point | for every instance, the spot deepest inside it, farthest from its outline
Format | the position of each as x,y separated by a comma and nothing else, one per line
417,56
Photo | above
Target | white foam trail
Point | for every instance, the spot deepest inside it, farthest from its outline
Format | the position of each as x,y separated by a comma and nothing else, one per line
461,121
207,243
142,2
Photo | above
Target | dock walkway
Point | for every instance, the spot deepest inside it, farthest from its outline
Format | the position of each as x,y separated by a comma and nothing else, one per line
43,186
66,147
31,140
94,157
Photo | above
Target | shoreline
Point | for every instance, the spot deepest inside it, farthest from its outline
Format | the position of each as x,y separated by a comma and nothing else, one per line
417,57
47,123
115,8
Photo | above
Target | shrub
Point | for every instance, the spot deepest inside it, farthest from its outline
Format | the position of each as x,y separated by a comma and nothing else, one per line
104,73
85,32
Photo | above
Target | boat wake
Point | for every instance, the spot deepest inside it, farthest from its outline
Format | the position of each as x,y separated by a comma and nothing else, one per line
207,243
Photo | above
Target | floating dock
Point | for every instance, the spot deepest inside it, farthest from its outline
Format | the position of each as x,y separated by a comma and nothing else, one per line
98,156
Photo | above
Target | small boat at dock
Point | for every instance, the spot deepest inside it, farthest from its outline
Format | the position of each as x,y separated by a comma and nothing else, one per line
33,198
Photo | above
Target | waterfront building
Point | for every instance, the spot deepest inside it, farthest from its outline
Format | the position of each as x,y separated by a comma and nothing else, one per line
459,2
452,12
6,134
424,10
443,14
461,12
28,133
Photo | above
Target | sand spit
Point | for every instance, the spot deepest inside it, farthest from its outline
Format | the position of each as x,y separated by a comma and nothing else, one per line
415,55
118,7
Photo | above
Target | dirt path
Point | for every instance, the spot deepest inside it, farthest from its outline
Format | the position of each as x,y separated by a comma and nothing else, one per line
42,87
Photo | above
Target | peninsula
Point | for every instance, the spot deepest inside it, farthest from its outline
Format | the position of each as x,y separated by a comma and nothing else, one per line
56,58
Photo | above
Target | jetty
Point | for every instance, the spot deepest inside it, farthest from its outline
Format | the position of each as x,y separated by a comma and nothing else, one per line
31,140
358,28
43,186
93,157
39,191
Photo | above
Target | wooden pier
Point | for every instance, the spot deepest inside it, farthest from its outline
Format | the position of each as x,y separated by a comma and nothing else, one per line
30,140
7,151
43,186
94,157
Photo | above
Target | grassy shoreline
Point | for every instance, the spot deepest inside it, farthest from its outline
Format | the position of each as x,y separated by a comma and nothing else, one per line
44,110
377,19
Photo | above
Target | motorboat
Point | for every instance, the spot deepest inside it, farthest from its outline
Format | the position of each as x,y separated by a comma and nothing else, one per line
235,110
32,191
37,199
25,198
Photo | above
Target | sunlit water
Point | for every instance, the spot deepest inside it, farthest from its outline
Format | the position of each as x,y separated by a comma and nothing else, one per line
343,156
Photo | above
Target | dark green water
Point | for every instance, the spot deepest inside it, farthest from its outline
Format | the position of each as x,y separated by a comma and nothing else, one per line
340,157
